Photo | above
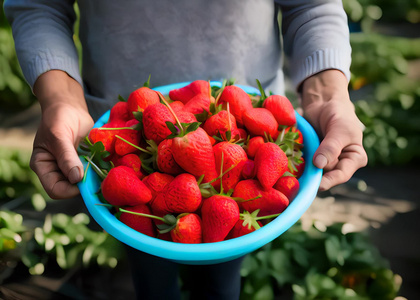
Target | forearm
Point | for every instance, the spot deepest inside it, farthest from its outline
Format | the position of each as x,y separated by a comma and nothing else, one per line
43,35
56,87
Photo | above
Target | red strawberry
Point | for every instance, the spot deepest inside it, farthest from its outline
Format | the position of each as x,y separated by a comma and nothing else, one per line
248,171
198,104
253,145
243,134
137,222
239,101
247,223
288,185
270,164
233,156
122,187
133,161
219,214
181,195
156,182
106,134
260,121
186,117
106,137
119,112
241,228
281,108
132,136
142,98
176,106
187,229
154,118
184,94
220,123
253,196
165,159
194,153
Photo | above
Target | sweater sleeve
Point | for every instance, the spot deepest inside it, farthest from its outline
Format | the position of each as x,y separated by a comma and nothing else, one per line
315,37
43,35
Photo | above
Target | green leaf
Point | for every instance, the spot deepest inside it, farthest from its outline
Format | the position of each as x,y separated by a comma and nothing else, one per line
172,127
192,127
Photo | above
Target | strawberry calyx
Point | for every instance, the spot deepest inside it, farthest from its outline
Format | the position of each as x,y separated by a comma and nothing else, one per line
263,96
179,129
149,157
287,141
96,155
208,190
251,219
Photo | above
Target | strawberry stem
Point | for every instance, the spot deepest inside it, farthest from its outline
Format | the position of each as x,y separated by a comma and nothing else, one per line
105,204
135,146
220,93
143,215
181,128
238,199
147,83
98,171
267,217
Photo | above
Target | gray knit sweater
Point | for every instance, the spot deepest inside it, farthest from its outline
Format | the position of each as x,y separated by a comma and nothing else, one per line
175,41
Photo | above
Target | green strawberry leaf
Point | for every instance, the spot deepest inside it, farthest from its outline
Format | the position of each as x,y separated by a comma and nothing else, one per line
172,127
191,127
121,98
202,116
228,135
138,115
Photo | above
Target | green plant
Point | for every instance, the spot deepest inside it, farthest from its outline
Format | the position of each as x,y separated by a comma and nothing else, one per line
66,240
15,94
387,101
319,264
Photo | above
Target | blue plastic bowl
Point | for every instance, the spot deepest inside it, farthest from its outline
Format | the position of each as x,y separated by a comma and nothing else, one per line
209,253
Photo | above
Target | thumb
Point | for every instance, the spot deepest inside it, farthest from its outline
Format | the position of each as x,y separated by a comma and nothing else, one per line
67,160
328,152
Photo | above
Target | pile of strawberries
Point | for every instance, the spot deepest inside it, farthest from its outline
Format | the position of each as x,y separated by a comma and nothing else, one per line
202,164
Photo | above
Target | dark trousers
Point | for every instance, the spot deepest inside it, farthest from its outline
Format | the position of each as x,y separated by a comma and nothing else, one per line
156,278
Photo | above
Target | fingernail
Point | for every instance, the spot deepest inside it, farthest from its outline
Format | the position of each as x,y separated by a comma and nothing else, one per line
74,175
320,161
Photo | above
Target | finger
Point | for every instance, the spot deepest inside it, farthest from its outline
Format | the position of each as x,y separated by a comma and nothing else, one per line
68,161
326,156
338,136
52,179
353,158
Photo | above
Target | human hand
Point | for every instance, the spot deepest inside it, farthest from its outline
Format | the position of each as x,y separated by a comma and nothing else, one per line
65,121
327,106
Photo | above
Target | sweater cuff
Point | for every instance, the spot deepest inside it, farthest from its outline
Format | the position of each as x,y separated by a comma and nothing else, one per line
46,61
322,60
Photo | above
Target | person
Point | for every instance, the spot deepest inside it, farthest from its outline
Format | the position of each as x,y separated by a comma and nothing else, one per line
176,41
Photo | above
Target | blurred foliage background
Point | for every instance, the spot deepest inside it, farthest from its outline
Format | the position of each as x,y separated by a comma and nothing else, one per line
326,264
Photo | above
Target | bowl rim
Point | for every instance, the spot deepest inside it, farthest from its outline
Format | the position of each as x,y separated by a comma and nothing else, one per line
208,253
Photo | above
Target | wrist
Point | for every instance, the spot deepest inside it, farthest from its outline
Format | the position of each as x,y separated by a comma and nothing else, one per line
323,87
56,87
